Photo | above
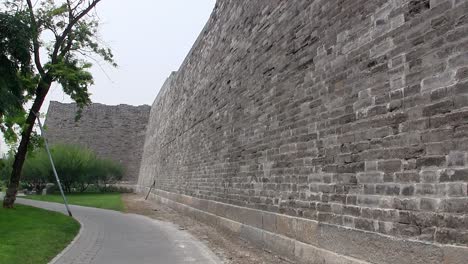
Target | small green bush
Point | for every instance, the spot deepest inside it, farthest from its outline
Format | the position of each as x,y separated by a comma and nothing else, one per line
107,172
36,171
77,168
2,186
5,171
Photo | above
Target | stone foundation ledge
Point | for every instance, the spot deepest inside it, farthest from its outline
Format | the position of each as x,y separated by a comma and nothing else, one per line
309,241
127,187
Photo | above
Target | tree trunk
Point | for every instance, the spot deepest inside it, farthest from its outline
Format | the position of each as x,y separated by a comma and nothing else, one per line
20,156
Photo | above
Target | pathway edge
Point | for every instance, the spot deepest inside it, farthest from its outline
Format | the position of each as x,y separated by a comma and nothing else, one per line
70,245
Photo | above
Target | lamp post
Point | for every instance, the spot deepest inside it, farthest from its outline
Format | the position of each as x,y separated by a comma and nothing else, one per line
52,164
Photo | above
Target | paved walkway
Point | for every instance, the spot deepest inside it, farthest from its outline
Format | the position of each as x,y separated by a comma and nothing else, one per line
110,237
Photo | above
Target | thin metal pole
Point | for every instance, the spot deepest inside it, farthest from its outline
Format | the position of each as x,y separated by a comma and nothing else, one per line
53,166
152,185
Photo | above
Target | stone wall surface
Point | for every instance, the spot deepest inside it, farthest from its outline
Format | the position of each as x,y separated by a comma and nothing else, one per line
334,123
114,132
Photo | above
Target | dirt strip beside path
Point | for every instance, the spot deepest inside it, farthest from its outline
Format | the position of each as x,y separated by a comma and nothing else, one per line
229,248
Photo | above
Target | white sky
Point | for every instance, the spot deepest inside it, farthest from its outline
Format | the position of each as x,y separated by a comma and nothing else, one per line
150,39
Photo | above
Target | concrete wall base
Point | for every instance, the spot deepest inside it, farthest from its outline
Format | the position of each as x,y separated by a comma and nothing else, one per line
125,187
308,241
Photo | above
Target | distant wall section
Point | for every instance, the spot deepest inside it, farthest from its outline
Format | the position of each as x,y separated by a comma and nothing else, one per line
114,132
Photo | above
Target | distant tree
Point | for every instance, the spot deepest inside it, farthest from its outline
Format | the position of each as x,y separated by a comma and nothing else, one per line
107,172
36,170
77,168
74,166
25,30
5,170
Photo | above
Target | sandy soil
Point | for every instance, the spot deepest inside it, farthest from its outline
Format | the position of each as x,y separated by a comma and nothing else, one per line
229,248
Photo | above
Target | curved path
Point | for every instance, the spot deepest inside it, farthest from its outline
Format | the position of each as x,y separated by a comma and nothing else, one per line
110,237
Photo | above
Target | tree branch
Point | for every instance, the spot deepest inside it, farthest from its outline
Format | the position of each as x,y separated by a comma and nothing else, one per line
52,29
67,47
36,46
68,29
70,11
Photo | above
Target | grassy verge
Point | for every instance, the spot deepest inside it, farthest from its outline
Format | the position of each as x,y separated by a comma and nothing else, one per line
33,236
112,201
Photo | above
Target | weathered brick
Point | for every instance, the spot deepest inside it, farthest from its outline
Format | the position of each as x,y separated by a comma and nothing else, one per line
365,224
370,165
459,60
438,81
456,221
406,203
461,101
456,158
461,88
370,177
454,175
426,189
406,230
462,73
457,118
389,165
455,205
429,204
352,126
438,108
430,161
426,219
407,190
429,176
352,210
456,189
407,176
438,94
445,235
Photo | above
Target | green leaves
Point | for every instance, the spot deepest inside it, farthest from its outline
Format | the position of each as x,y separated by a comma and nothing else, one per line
16,73
74,42
74,77
74,45
10,123
51,16
76,166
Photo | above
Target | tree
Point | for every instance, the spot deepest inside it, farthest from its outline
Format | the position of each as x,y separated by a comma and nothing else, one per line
36,170
107,172
74,166
77,168
16,71
73,26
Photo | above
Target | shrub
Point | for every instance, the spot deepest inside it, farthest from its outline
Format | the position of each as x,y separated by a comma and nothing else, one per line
36,171
74,166
77,168
5,170
107,172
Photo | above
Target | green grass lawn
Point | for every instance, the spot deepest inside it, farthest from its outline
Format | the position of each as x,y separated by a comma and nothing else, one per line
112,201
33,236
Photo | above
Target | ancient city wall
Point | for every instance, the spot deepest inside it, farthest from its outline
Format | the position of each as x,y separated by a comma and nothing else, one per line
328,131
114,132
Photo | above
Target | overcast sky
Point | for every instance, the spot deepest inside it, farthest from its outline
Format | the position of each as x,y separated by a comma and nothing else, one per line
149,38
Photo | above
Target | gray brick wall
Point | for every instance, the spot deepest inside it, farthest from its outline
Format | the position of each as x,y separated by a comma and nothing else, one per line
353,113
114,132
